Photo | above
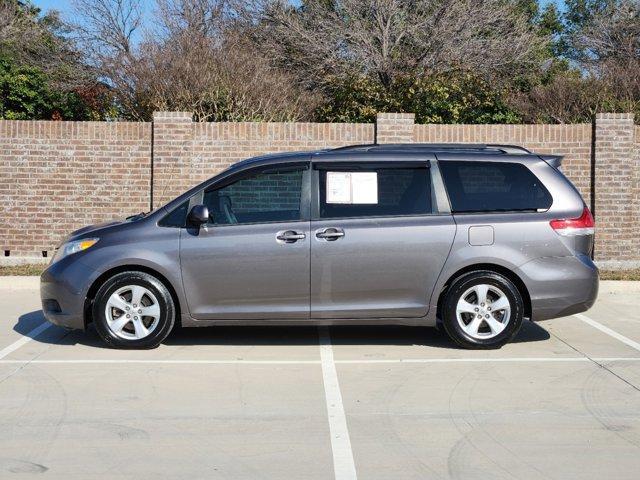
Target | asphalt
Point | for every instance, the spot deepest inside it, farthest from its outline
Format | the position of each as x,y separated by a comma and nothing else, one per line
561,401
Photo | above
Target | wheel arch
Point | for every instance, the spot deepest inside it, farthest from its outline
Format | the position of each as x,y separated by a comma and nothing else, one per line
98,282
492,267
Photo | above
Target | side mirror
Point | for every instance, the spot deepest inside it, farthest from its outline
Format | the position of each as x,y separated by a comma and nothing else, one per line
199,215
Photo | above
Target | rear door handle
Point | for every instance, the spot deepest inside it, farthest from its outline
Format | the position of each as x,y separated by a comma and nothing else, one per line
330,234
290,236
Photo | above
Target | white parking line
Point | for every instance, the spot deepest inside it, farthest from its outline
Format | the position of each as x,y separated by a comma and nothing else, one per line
608,331
114,361
24,340
343,466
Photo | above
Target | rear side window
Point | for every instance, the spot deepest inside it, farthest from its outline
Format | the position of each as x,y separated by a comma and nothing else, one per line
493,187
373,192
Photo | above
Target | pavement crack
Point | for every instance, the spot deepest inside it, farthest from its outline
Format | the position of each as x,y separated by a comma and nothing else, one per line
599,364
28,362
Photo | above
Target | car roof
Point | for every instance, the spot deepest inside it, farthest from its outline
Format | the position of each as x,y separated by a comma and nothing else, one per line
404,151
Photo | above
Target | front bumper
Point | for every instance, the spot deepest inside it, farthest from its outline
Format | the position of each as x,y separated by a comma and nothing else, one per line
560,286
63,289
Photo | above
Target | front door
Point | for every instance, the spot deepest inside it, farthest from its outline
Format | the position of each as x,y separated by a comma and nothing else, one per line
377,244
252,260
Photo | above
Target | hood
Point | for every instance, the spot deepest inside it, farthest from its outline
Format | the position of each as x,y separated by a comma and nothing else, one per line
96,229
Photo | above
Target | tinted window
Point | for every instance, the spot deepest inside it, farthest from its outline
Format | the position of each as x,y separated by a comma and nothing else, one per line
400,191
177,218
267,196
493,186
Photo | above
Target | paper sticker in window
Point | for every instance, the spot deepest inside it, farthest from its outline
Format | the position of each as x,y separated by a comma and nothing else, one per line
353,188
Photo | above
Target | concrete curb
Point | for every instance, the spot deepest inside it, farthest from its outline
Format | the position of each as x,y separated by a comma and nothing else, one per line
13,261
19,282
619,286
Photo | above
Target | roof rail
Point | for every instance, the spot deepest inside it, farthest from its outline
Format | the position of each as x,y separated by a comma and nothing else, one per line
364,146
507,149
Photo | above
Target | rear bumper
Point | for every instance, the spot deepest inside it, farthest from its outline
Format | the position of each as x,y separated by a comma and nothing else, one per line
560,286
63,288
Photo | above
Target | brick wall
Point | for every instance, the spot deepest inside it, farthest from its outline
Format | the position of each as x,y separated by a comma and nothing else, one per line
58,176
616,176
395,127
188,153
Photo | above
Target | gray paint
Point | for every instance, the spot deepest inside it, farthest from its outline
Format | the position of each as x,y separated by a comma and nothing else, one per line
383,270
243,272
382,267
481,235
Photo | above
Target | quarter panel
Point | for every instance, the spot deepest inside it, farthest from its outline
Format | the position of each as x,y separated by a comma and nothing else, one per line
518,239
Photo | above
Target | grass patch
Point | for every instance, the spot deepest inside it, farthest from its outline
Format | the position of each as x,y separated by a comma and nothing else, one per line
633,274
22,270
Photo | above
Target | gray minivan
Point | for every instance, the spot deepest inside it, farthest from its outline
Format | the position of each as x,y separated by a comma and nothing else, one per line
470,238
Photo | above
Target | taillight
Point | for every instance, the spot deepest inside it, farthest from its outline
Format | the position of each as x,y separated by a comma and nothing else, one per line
583,225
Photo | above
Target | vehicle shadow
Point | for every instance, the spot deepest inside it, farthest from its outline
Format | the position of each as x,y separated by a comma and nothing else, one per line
274,335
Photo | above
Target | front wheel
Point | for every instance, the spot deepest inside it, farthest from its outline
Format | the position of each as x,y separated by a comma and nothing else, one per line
482,310
133,310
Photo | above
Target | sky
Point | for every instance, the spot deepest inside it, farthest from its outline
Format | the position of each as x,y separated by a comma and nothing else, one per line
64,6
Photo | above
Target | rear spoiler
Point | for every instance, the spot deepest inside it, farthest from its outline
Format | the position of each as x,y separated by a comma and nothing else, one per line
554,160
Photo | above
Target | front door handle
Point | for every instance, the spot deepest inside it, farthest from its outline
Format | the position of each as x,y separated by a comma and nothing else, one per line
330,234
290,236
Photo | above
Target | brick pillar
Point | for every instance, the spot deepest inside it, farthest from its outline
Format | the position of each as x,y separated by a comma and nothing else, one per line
172,155
395,127
616,203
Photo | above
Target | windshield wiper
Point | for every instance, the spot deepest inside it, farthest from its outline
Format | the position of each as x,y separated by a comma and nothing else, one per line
137,216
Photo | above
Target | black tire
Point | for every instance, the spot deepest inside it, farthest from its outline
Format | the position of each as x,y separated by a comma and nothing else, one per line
165,321
463,284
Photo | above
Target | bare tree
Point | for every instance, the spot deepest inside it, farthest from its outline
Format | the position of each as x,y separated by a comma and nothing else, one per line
106,31
609,49
391,37
192,59
201,18
613,34
108,27
12,22
566,99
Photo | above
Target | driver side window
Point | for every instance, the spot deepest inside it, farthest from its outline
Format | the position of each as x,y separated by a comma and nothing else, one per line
266,196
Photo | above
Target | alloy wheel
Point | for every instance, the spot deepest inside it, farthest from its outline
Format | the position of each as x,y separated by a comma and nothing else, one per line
132,312
483,311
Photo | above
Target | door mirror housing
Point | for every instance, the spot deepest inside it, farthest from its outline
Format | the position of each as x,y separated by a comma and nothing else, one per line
199,215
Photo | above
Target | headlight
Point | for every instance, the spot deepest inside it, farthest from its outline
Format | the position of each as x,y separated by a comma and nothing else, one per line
73,247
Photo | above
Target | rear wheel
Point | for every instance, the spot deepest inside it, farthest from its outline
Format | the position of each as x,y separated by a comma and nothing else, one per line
133,310
482,310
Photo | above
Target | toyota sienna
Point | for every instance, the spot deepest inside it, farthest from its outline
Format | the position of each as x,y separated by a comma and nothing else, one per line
470,238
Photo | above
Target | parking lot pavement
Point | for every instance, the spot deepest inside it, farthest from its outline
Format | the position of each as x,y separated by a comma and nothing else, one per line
561,401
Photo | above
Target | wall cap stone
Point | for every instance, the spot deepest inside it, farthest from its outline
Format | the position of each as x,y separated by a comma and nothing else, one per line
173,116
615,116
395,116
